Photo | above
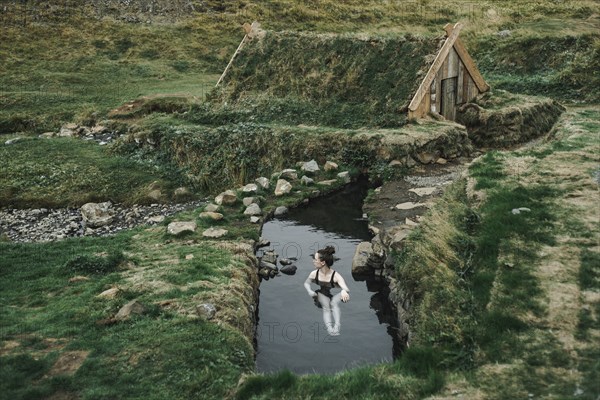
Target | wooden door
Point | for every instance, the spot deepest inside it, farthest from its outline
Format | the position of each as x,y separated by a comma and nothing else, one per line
448,98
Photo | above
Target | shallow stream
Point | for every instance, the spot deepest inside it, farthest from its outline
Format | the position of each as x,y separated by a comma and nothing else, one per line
291,333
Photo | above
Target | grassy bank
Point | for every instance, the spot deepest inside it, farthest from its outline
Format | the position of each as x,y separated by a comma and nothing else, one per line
522,281
56,341
71,172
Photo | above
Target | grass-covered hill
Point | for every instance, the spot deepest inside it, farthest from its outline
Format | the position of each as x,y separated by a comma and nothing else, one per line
64,61
338,80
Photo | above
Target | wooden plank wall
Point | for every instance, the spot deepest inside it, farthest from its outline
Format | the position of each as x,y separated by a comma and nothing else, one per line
452,67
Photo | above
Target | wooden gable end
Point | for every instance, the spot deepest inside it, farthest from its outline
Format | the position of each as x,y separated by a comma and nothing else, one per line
452,80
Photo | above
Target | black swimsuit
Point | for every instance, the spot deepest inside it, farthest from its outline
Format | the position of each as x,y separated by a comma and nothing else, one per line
325,287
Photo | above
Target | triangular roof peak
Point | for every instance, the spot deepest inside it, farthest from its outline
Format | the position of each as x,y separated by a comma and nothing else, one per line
452,40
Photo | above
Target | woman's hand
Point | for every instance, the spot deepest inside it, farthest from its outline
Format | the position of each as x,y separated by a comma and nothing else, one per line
313,294
345,296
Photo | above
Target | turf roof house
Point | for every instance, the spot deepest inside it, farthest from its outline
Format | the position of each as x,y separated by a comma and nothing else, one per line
387,79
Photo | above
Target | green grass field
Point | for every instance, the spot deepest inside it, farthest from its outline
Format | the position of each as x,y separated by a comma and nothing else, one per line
506,304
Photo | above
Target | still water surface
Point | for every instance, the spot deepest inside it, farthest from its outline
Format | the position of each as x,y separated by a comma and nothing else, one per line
290,332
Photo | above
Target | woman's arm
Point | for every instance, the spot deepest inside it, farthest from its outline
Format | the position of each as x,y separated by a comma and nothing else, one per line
307,282
345,294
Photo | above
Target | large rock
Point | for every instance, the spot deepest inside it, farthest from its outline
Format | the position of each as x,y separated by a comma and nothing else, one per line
327,183
268,265
253,209
178,227
290,174
67,130
409,205
214,232
215,216
182,193
211,208
280,210
426,157
423,191
206,311
395,236
305,180
360,262
270,256
344,176
289,269
228,197
96,215
249,188
310,166
110,293
330,166
263,182
133,307
282,187
155,195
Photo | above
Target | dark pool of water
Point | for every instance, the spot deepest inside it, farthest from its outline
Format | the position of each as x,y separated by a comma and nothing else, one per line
291,333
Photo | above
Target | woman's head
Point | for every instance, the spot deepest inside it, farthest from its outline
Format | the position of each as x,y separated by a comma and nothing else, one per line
326,255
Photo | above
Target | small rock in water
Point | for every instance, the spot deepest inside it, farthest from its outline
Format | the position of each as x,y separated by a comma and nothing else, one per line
285,261
270,256
289,269
268,265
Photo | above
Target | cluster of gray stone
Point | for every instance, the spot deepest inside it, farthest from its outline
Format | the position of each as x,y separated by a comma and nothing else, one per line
99,133
92,219
267,265
252,199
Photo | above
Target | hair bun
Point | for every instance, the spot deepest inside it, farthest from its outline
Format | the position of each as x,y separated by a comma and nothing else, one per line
329,250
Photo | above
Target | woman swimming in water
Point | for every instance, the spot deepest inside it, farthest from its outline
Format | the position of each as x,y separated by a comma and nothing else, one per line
327,279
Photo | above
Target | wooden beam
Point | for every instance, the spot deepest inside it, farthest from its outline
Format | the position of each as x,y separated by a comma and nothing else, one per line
252,30
468,61
437,63
232,58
